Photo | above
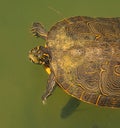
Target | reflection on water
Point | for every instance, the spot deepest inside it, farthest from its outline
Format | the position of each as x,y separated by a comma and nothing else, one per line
70,107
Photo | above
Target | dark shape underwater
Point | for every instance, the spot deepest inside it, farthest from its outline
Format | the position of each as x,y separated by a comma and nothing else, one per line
70,107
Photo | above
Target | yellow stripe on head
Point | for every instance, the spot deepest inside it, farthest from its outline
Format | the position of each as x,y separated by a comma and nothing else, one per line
48,70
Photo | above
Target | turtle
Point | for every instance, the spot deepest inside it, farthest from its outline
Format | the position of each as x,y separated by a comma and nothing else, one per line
82,56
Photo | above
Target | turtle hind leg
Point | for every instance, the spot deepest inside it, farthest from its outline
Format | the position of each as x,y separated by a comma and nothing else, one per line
38,30
50,87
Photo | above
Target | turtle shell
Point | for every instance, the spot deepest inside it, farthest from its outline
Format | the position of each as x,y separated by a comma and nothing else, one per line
86,58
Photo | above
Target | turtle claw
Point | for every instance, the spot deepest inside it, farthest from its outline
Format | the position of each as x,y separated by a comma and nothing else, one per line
46,95
44,101
44,98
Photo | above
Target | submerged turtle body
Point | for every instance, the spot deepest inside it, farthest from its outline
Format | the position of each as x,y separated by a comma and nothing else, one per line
83,55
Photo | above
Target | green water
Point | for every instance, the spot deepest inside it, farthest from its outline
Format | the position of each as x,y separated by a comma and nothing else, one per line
22,83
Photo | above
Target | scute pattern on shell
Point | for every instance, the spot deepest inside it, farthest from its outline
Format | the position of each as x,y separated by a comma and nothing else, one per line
86,58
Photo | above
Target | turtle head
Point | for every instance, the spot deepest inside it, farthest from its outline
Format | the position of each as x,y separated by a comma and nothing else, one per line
39,55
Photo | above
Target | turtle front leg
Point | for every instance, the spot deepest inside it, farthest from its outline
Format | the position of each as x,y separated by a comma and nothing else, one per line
38,30
49,88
